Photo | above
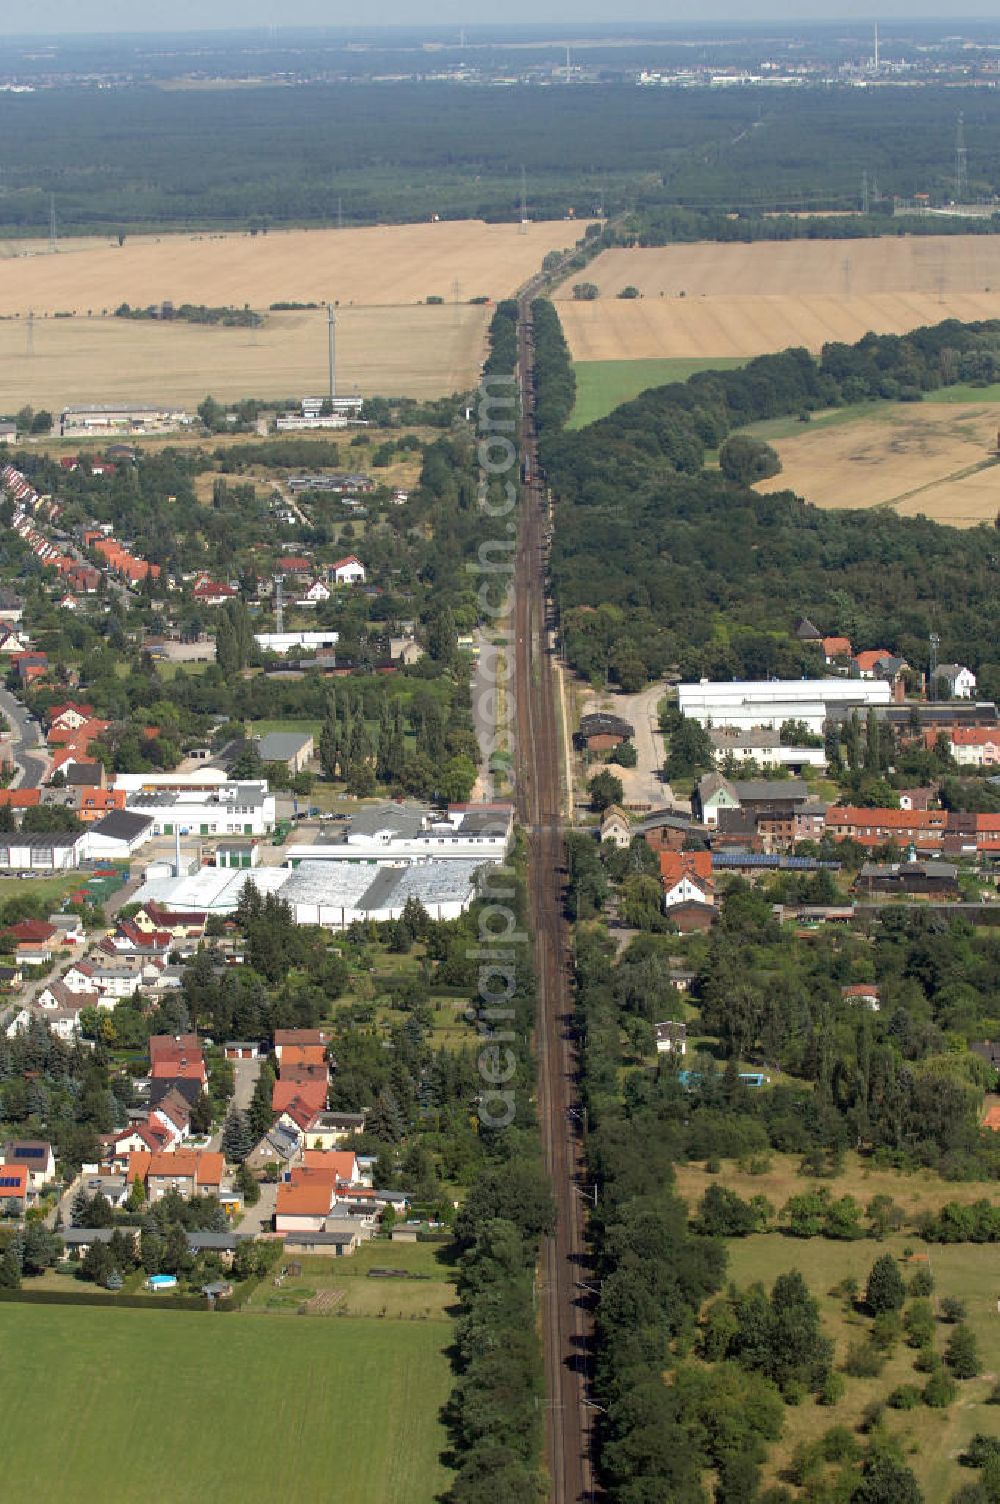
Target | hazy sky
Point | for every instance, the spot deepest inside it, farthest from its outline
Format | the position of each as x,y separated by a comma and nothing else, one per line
77,16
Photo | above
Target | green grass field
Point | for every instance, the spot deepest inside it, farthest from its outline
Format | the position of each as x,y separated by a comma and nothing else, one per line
50,891
932,1439
602,385
965,393
119,1406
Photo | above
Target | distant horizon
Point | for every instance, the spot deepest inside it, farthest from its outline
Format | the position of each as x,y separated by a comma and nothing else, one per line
101,19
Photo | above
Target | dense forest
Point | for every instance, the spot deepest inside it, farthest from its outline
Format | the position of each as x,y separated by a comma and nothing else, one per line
146,158
659,563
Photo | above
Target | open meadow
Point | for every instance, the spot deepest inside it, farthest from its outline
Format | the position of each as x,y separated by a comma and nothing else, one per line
390,341
938,459
932,1440
714,299
602,385
255,1409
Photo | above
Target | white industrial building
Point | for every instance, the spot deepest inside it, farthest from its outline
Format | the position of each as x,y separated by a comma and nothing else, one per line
764,748
115,418
58,852
207,780
117,836
389,854
323,893
283,642
395,835
743,704
234,809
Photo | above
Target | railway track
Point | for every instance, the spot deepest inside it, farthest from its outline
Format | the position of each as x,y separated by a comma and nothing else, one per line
566,1323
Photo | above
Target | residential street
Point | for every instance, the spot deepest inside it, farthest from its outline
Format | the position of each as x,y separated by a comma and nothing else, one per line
29,752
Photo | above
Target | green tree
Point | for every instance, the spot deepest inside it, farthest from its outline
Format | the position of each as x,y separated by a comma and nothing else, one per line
885,1290
10,1269
886,1480
237,1136
605,789
962,1354
745,460
260,1114
247,1186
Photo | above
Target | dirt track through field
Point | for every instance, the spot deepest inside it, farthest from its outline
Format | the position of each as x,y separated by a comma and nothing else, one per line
740,300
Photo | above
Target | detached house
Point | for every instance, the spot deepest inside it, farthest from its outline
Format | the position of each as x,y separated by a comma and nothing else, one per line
213,593
315,594
186,1171
835,648
349,571
686,877
688,889
36,1157
960,681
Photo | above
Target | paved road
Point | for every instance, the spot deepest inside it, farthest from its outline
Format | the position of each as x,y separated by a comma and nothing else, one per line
29,749
484,712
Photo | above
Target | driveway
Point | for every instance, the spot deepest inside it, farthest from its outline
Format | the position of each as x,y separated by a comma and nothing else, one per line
245,1073
260,1218
643,784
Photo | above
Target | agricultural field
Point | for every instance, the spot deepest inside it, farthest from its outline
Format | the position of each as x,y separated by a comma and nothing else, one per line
936,458
270,1397
932,1440
602,385
389,339
386,265
705,300
414,351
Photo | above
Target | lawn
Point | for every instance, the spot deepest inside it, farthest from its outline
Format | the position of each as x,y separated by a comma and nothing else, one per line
932,1439
224,1407
49,891
602,385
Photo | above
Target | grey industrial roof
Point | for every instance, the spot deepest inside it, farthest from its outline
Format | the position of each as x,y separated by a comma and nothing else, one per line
279,746
221,1241
50,842
122,825
330,1239
403,819
356,886
898,869
778,789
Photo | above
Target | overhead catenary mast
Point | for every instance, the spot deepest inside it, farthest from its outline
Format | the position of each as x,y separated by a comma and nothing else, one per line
961,162
524,201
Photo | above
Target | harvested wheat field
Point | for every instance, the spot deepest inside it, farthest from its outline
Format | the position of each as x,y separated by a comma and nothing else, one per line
391,264
412,352
937,460
741,300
